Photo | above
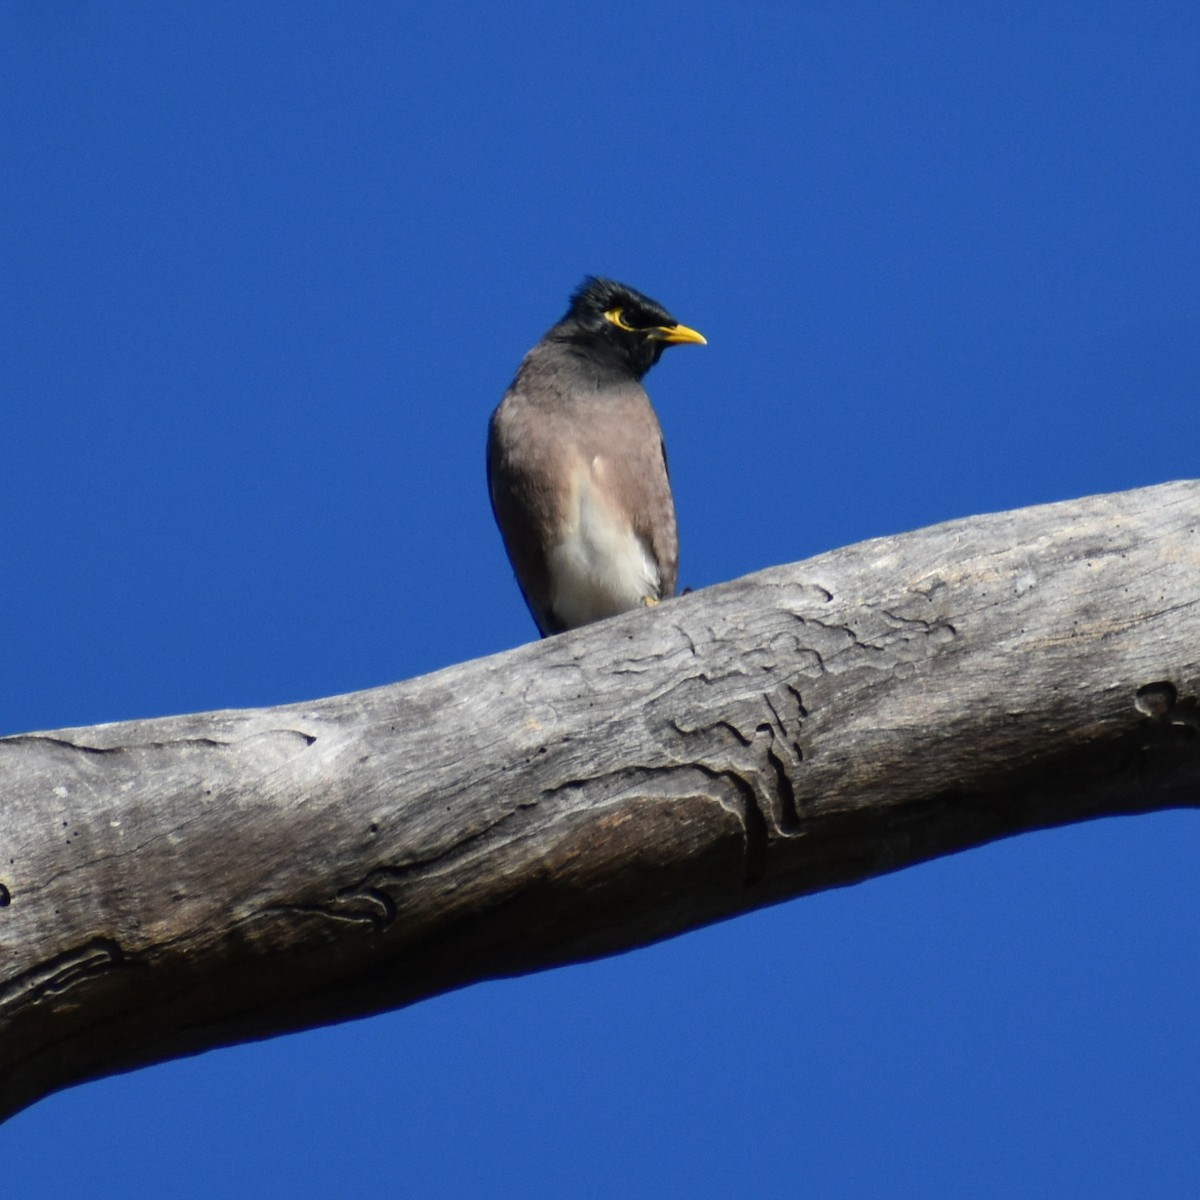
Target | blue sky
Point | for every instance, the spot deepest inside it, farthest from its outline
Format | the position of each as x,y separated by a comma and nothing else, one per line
267,269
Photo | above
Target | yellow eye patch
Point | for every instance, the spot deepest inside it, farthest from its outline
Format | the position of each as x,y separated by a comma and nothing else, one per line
617,317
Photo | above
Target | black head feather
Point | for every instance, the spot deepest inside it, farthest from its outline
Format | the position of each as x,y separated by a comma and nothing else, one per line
587,327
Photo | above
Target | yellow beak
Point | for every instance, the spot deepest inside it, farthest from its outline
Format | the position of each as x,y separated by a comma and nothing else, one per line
675,335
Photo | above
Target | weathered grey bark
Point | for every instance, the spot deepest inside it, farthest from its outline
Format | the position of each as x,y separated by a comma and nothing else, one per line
177,884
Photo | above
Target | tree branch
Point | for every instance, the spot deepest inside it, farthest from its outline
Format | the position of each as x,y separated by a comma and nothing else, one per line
171,885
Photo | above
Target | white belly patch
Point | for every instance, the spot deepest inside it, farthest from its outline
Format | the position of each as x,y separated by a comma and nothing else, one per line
601,567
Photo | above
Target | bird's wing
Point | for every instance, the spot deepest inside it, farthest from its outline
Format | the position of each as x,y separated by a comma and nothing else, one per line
524,497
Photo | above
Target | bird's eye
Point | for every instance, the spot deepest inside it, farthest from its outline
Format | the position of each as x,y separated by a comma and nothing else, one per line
617,317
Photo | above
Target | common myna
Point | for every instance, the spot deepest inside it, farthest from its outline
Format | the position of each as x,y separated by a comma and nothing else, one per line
576,466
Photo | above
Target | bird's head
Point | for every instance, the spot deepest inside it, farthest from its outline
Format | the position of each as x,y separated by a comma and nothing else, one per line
616,323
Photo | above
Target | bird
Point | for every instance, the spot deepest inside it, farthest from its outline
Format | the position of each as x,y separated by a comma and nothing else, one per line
577,470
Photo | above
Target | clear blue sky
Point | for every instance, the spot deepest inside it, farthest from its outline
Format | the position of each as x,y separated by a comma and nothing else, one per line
266,270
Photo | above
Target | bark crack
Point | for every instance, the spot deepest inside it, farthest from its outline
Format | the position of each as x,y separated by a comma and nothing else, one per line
64,971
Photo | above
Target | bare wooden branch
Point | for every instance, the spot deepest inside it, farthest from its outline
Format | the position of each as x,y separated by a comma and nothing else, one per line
171,885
